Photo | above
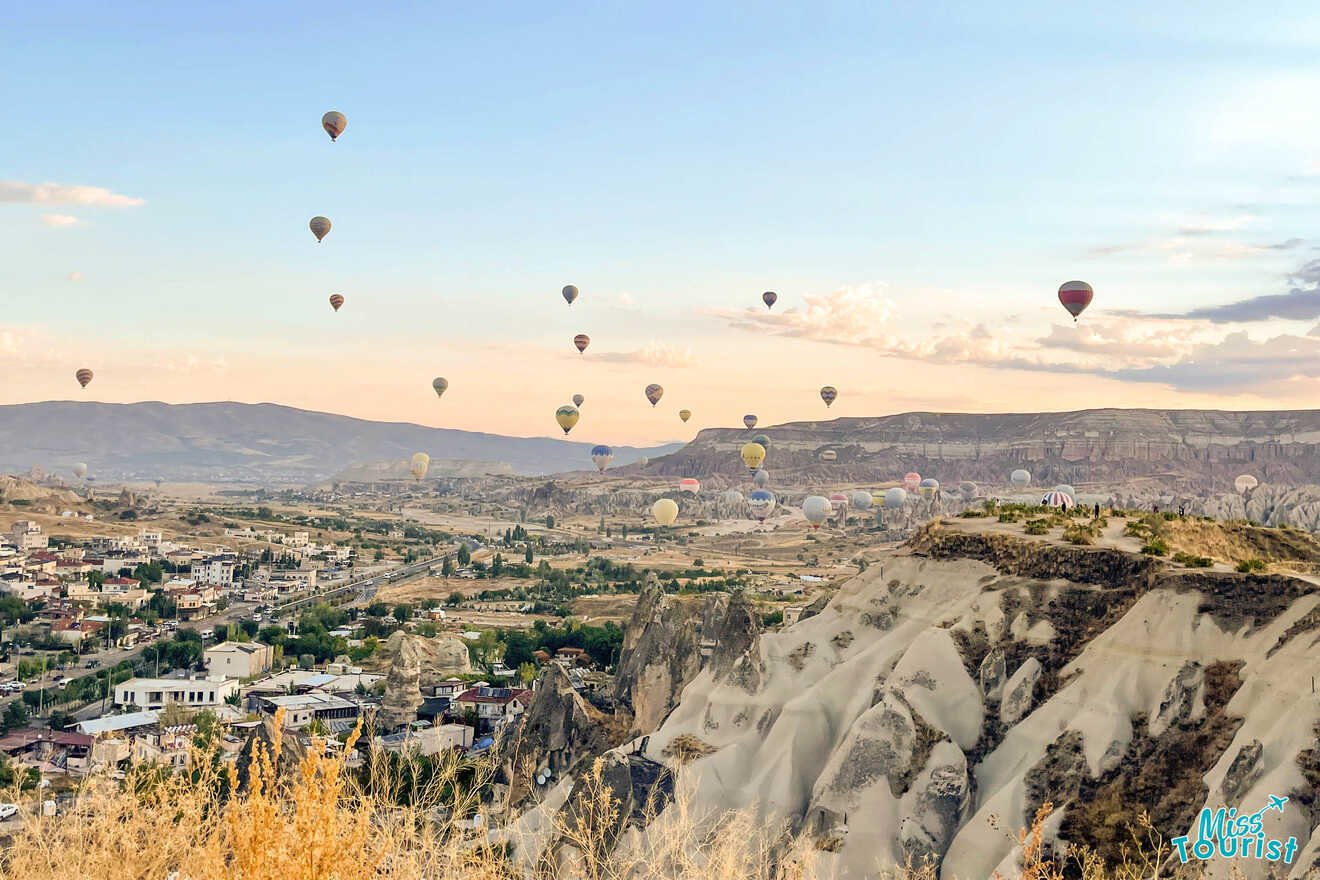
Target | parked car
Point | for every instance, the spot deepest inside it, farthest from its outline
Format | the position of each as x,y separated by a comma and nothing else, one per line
8,811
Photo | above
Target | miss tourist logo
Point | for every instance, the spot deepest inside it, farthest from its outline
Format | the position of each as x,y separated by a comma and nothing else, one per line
1224,834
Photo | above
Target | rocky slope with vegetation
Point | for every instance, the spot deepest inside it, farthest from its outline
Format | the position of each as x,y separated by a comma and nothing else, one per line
960,682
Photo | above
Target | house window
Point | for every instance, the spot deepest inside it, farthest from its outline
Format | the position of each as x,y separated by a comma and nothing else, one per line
212,699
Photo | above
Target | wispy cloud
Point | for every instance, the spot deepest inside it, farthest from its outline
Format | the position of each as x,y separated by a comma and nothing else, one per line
851,315
1300,303
59,221
655,354
75,276
19,192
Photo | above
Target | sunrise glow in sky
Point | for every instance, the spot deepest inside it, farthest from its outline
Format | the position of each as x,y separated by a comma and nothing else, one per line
914,183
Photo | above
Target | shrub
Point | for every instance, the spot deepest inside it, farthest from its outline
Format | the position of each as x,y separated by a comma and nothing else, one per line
1038,527
1247,565
1077,535
1155,547
1192,561
1008,516
972,514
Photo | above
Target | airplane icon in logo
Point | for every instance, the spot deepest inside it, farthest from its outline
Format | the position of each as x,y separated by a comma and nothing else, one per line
1276,803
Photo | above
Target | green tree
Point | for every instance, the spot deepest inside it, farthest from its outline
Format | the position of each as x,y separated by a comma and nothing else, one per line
464,557
402,612
306,661
549,521
455,598
527,674
527,556
446,566
15,716
380,554
496,565
59,719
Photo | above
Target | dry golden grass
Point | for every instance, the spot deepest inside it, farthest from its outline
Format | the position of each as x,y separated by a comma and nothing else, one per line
317,822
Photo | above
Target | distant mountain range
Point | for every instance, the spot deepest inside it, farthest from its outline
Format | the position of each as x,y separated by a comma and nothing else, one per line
1181,451
256,443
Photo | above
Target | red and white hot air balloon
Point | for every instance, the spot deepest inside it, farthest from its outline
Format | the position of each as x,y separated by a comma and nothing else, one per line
911,481
1075,296
687,484
83,376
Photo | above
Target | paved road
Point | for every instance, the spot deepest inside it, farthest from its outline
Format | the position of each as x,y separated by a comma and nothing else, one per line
365,585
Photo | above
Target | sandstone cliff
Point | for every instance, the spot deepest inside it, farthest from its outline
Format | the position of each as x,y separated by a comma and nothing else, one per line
411,664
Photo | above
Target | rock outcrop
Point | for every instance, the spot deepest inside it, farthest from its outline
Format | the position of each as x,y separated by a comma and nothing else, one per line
1008,672
413,664
558,730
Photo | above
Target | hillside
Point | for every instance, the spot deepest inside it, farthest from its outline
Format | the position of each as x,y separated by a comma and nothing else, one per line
1172,451
242,442
958,682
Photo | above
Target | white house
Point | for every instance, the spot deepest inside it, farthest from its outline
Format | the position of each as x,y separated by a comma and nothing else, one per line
156,693
217,571
239,659
27,536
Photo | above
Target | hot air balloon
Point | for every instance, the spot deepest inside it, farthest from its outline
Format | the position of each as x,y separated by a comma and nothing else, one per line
752,455
643,461
967,489
687,484
1020,478
911,481
654,393
816,509
861,499
440,384
877,498
1075,296
665,511
829,455
761,479
732,497
895,498
336,301
334,124
601,456
685,414
80,470
929,488
570,294
839,502
828,393
750,421
582,340
769,298
577,399
1245,484
420,462
1066,490
1057,499
567,417
761,503
83,376
763,440
320,227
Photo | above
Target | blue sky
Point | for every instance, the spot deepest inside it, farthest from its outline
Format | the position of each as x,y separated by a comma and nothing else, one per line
902,175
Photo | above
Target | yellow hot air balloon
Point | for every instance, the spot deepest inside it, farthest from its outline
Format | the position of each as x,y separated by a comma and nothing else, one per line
665,511
752,455
334,124
420,463
685,414
320,227
567,417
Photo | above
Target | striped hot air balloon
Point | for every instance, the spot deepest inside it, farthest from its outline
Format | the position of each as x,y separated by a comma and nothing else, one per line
911,481
839,502
601,456
83,376
687,484
1057,499
654,392
582,340
829,455
828,393
929,487
567,417
336,301
320,227
750,421
769,298
1075,296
